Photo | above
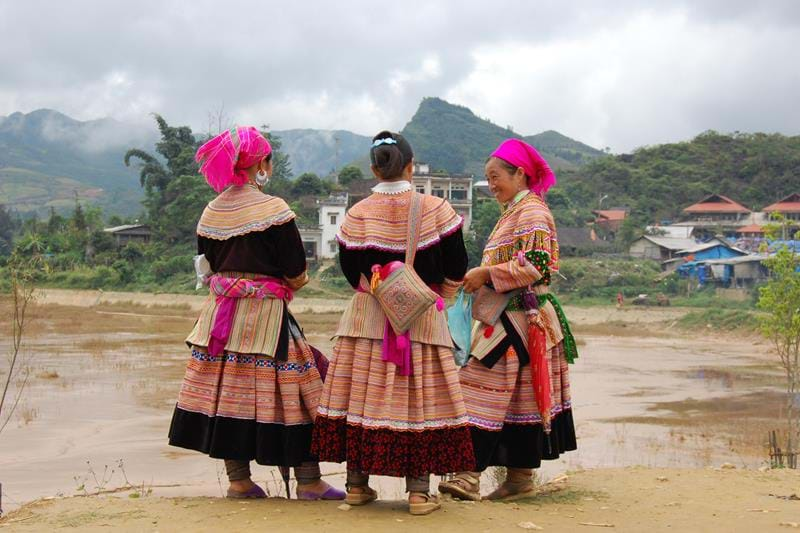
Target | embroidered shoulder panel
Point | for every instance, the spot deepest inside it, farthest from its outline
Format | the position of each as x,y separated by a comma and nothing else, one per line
526,226
380,222
241,210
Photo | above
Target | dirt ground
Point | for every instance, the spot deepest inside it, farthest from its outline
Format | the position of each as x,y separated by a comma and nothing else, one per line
629,499
625,499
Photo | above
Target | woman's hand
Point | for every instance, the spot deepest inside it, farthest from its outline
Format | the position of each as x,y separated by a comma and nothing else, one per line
476,278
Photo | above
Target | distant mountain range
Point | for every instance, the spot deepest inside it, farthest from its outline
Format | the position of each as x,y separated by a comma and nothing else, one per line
321,151
47,158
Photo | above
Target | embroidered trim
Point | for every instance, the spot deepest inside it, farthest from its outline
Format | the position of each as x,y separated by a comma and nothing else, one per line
530,418
392,187
370,244
374,423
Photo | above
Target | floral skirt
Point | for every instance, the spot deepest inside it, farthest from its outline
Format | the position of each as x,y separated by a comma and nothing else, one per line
249,406
386,424
504,419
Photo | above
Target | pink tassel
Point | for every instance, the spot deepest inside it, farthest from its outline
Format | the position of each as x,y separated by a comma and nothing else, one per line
439,304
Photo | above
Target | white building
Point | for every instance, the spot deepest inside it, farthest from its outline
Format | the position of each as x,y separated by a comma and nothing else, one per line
456,189
331,216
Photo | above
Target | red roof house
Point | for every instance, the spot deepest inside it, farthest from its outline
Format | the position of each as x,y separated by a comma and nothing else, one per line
789,205
717,204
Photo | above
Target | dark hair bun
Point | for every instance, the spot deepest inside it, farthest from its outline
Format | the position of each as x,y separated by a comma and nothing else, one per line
390,158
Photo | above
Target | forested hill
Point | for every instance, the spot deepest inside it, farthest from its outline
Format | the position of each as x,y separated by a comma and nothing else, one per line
755,169
47,158
453,138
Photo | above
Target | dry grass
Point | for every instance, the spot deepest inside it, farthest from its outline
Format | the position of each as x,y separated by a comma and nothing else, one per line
47,374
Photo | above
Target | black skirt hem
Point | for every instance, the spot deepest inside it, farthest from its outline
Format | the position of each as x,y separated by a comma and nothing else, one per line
523,445
244,440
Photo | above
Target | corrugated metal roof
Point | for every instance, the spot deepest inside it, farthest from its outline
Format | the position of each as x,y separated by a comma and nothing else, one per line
670,243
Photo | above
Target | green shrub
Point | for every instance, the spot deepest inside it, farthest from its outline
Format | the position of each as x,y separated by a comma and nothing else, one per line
163,268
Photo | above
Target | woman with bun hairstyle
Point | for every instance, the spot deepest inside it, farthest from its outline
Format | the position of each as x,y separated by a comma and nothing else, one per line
392,404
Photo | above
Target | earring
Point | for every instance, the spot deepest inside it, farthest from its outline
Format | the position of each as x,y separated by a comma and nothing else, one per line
261,178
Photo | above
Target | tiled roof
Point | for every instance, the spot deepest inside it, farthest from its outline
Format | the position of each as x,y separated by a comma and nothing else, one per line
716,203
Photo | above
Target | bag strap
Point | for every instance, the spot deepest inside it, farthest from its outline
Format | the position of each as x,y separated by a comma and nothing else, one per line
414,225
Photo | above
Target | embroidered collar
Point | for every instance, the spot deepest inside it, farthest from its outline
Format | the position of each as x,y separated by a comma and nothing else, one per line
519,196
392,187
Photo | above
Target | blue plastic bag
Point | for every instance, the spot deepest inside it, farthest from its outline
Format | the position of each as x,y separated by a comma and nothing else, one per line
459,320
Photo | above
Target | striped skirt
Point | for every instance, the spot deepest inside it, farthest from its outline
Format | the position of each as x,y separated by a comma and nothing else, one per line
386,424
249,406
504,419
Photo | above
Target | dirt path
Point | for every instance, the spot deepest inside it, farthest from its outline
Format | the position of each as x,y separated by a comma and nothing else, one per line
630,499
186,302
192,302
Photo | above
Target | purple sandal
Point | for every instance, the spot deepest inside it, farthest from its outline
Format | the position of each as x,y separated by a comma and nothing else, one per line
330,493
254,492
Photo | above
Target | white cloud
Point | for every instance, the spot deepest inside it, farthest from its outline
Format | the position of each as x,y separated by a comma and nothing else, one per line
620,74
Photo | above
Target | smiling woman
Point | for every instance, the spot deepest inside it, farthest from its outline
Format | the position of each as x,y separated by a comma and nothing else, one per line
516,382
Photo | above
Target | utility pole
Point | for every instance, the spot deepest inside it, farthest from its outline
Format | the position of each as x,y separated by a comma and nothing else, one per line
336,141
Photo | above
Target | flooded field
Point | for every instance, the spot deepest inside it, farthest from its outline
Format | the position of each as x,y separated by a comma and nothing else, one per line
105,373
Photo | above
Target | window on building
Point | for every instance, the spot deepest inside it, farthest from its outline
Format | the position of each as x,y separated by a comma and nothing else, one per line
333,219
458,192
333,247
421,189
437,191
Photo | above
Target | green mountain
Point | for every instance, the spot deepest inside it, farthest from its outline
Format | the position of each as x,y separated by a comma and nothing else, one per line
47,158
452,138
657,182
321,151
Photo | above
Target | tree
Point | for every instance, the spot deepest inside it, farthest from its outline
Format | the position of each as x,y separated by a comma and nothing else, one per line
7,228
21,271
78,219
349,174
780,300
308,184
177,147
279,184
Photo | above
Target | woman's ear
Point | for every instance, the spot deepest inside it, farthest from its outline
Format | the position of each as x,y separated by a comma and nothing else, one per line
520,176
408,172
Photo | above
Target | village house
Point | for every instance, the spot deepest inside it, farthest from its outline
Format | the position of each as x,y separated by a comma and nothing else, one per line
789,207
129,233
660,248
716,214
319,241
609,221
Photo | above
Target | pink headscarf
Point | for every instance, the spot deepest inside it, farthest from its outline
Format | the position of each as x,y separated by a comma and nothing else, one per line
224,158
522,154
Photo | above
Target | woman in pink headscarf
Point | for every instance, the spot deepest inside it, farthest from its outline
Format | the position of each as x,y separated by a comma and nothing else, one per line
252,385
516,381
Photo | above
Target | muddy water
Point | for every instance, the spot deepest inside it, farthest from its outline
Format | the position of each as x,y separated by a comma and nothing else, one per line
103,383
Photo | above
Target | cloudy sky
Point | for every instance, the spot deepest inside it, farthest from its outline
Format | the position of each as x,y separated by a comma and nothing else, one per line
616,73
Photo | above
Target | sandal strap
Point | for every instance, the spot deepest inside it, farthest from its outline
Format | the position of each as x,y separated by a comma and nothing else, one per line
469,478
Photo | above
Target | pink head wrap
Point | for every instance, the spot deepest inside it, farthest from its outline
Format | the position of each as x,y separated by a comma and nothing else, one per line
522,154
224,158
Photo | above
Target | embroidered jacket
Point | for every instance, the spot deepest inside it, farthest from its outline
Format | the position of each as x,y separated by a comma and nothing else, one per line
526,226
246,233
374,232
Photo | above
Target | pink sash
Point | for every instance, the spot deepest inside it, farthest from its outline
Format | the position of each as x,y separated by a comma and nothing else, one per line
227,291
